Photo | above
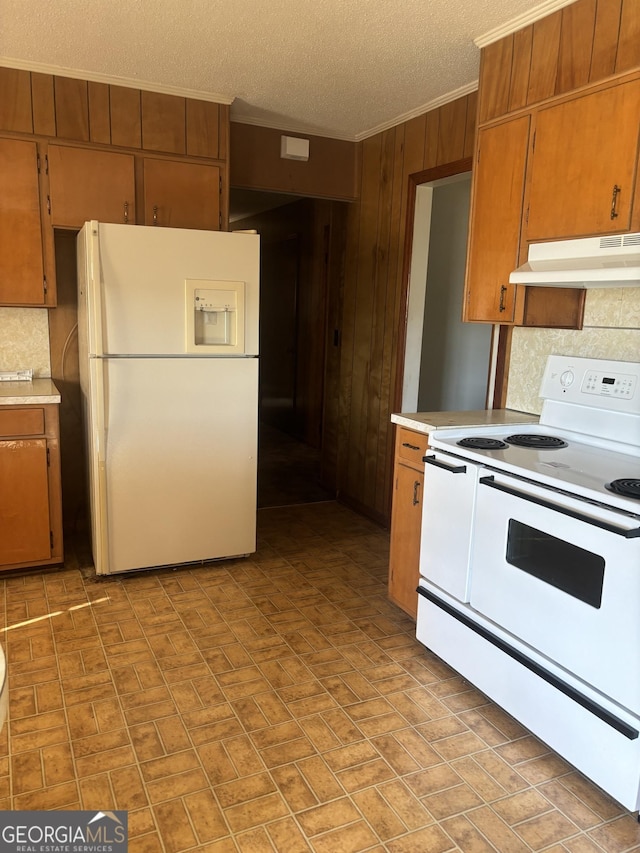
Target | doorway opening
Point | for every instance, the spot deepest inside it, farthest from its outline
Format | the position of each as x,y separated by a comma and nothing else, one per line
300,259
447,365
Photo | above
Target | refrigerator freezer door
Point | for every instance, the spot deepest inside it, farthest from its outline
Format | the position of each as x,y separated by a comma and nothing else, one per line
177,479
137,293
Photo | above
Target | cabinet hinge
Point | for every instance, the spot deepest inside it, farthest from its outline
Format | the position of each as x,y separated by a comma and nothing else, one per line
478,156
46,164
533,147
526,216
51,539
44,288
38,162
220,220
48,458
49,205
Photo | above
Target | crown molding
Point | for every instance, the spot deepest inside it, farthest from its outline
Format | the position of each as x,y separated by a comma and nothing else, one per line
540,11
291,127
418,111
129,83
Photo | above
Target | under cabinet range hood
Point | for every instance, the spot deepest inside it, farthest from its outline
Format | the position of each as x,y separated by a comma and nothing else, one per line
611,261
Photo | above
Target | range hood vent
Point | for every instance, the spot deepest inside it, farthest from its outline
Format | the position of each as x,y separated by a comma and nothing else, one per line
612,261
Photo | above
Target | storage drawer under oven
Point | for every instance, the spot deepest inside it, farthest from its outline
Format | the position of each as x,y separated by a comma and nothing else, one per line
447,516
562,575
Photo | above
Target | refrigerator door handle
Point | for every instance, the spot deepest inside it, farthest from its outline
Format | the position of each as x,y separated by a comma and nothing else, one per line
99,419
94,290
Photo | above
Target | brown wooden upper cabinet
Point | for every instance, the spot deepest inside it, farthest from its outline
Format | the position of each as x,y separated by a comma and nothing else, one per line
180,194
89,184
584,165
496,215
22,252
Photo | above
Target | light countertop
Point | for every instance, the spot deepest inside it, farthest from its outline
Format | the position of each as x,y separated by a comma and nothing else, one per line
39,391
428,421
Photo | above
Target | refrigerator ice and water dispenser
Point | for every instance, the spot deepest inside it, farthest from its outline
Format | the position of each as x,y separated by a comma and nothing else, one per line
215,316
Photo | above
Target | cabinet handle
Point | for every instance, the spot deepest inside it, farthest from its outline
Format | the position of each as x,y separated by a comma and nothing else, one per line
416,486
503,290
410,446
155,214
126,212
614,200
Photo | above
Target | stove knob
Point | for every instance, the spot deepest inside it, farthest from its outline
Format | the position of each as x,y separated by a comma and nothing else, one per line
567,378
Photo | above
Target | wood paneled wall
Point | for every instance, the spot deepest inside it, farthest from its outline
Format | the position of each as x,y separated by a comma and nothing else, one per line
64,107
318,226
579,44
582,43
256,164
373,288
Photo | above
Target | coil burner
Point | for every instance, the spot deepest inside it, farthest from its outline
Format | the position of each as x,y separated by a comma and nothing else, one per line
630,488
538,442
480,443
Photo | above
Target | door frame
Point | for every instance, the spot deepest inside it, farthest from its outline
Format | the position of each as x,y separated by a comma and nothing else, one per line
499,347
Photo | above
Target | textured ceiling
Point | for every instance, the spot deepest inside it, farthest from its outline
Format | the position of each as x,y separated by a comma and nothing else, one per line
340,68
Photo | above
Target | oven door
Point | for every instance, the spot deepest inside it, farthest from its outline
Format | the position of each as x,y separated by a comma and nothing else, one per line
447,514
563,575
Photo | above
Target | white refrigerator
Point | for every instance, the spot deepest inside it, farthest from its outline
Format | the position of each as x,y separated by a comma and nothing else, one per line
168,345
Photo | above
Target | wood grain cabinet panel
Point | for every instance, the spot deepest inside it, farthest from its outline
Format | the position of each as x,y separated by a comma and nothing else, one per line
43,104
24,502
180,194
496,215
21,237
126,122
72,108
89,184
163,123
15,100
203,129
585,153
30,495
99,120
406,518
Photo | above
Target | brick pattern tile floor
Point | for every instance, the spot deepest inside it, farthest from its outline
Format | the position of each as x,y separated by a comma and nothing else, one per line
278,703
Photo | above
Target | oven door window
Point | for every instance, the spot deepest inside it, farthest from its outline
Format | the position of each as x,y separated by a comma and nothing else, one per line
561,564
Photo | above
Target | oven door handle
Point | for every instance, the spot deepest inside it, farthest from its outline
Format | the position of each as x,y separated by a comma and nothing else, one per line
595,522
452,469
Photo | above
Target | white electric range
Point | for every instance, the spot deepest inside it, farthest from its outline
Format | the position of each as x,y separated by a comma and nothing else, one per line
530,566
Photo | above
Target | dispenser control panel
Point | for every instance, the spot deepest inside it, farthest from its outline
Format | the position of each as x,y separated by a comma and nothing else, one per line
214,316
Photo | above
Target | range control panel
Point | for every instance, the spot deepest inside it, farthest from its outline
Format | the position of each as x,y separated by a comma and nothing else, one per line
609,384
592,382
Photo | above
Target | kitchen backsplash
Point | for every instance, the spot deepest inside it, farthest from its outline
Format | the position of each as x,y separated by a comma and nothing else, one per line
24,340
611,330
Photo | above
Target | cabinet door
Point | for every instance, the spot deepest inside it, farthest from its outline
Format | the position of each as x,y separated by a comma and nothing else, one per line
90,184
496,215
24,501
406,521
181,195
584,165
21,255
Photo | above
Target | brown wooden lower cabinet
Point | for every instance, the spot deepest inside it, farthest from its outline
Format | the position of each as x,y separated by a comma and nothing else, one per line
30,494
406,518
